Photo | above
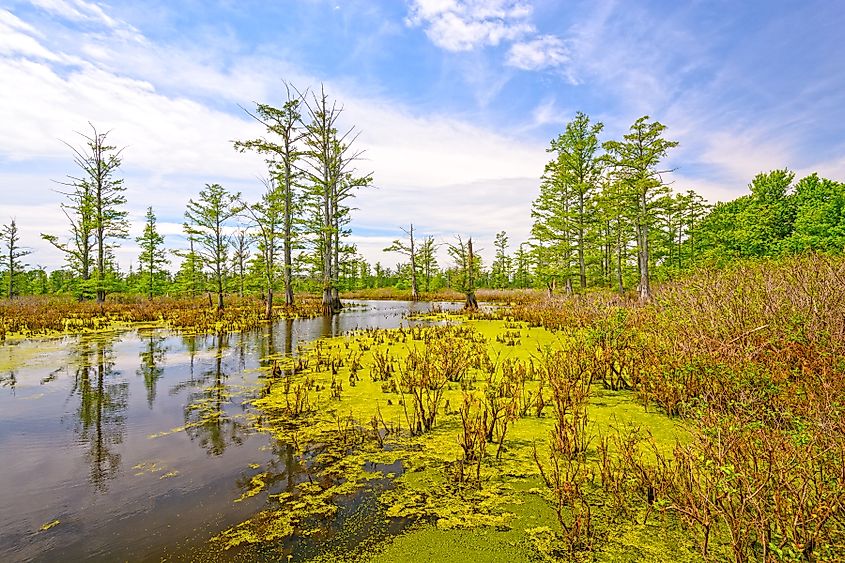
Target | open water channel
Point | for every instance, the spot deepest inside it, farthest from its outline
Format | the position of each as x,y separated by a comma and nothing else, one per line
132,446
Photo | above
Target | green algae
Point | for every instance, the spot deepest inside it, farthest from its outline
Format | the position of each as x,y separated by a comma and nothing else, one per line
337,409
14,356
48,525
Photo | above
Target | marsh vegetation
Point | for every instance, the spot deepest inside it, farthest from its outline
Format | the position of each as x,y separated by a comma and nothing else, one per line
703,425
647,378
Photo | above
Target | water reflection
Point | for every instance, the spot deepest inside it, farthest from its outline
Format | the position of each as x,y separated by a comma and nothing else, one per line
89,421
270,347
330,326
152,358
100,417
206,418
9,380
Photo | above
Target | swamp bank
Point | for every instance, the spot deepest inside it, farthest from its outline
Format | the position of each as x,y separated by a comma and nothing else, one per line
704,425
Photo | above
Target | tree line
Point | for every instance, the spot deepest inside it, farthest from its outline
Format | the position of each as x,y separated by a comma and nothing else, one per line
605,216
311,176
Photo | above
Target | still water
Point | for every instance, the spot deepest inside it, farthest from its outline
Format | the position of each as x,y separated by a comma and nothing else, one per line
133,446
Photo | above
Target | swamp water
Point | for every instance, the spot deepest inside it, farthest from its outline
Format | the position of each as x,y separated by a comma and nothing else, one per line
133,446
151,445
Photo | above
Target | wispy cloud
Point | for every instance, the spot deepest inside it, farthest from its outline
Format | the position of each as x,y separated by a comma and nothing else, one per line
451,157
435,170
545,51
463,25
77,11
467,25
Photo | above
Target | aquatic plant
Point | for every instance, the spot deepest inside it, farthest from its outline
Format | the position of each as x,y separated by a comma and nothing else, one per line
29,317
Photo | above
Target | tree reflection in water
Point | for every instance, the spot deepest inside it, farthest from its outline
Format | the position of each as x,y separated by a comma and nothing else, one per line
9,380
100,418
152,357
206,418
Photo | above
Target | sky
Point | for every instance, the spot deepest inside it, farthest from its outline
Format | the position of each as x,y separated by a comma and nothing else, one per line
456,101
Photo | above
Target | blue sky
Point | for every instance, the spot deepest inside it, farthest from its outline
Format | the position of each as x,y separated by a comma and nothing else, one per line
456,100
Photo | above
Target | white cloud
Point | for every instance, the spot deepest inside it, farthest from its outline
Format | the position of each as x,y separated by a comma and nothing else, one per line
436,170
16,38
10,20
479,209
742,154
542,52
463,25
548,112
77,11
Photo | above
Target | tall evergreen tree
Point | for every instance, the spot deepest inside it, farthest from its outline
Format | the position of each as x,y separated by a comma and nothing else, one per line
330,169
468,267
501,267
635,166
270,219
522,266
89,212
10,259
427,261
207,221
579,167
280,212
553,247
96,209
240,258
152,258
190,279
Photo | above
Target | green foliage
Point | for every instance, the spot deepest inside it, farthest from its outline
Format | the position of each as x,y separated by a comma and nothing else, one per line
501,267
95,212
467,269
819,224
207,220
410,250
635,167
10,259
152,258
278,215
775,219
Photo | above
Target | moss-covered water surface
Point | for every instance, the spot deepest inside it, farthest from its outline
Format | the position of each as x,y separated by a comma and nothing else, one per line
373,451
362,437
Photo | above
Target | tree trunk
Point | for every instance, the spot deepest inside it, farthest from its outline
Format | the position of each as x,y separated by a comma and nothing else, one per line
288,270
582,266
268,306
11,266
471,302
642,251
219,289
288,236
620,285
336,304
415,296
327,239
327,301
645,288
680,236
101,257
101,292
